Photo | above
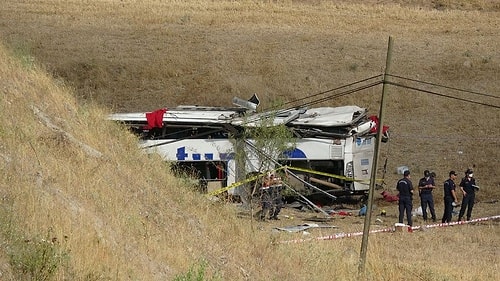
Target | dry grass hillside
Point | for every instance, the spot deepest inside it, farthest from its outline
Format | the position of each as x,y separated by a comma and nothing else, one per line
80,202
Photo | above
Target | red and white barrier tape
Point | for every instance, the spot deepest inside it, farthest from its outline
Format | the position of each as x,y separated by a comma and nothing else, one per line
455,223
390,229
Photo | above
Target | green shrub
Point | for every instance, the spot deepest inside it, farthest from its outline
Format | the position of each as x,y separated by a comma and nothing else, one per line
195,273
36,259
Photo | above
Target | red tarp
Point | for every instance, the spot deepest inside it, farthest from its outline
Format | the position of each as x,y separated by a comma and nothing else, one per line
155,119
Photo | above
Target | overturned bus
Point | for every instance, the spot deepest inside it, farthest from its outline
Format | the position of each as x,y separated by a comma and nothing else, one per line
332,148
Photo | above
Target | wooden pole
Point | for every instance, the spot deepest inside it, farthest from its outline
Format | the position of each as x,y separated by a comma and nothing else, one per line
368,216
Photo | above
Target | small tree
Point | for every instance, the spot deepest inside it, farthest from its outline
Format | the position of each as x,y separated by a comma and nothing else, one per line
258,149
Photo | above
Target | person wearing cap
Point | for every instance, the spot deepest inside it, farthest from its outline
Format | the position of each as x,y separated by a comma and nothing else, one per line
405,188
425,187
468,187
450,196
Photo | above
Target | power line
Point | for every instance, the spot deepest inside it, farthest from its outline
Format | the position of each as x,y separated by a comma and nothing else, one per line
372,84
443,86
392,83
338,88
268,113
329,91
348,92
441,95
332,96
377,82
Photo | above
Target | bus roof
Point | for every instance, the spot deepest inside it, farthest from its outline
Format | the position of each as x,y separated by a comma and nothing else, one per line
314,117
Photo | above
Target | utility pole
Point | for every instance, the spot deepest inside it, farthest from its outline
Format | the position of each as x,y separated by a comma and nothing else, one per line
368,216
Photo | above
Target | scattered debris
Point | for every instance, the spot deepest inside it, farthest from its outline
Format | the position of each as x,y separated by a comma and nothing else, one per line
418,211
401,169
340,213
400,227
319,219
302,227
388,197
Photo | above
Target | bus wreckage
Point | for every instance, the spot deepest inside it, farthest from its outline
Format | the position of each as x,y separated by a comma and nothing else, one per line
331,155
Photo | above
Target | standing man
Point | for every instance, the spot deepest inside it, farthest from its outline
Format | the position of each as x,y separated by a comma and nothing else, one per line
266,197
277,198
425,187
450,196
405,188
468,187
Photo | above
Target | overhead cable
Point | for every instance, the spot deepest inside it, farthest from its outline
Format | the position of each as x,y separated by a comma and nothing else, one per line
441,95
443,86
379,76
267,114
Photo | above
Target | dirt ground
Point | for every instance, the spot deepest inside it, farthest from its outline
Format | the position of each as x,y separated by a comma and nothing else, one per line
346,219
138,56
138,63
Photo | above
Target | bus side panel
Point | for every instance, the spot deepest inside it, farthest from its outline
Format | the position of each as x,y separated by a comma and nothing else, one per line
190,149
362,157
196,150
318,149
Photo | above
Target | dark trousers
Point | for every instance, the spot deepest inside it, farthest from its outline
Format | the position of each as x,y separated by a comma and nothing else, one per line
427,200
405,206
448,209
276,201
467,203
277,204
266,202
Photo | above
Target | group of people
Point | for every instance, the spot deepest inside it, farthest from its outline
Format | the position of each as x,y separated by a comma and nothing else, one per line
271,198
426,185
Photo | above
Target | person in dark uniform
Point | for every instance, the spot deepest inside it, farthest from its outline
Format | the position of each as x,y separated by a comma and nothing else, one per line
468,187
450,197
405,188
425,187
